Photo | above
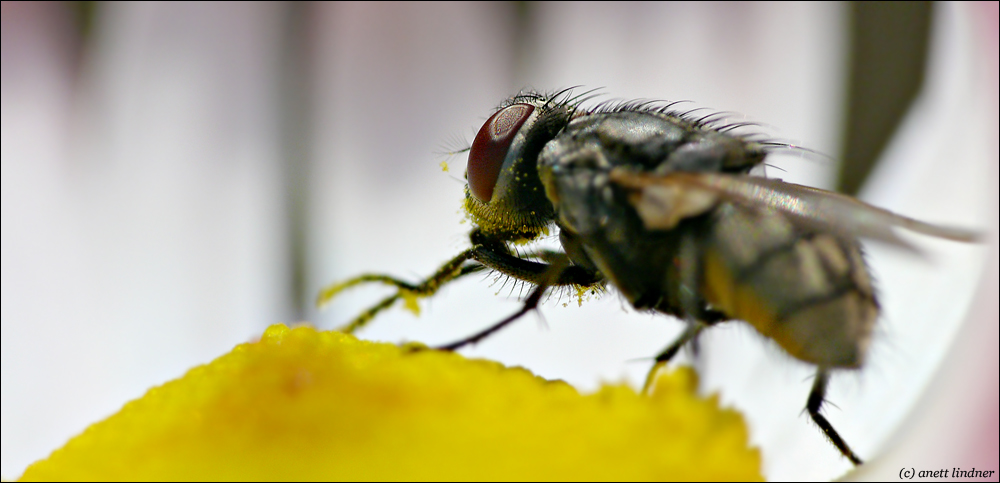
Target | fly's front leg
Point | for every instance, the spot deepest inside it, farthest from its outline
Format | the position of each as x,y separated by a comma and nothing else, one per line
494,254
452,270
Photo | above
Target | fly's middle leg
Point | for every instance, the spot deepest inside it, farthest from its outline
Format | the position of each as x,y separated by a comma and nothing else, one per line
531,303
559,271
689,336
698,316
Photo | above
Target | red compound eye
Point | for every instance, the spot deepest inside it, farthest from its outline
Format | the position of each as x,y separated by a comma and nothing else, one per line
490,148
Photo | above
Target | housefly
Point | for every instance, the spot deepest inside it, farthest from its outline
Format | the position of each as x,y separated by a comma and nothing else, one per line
662,206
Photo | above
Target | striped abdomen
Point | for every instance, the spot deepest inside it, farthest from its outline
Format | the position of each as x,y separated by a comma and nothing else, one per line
809,291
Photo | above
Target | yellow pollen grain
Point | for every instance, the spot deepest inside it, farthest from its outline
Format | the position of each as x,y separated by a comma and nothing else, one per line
410,301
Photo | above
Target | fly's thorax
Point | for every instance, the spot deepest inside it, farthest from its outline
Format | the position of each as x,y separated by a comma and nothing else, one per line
580,160
808,291
660,142
598,227
505,196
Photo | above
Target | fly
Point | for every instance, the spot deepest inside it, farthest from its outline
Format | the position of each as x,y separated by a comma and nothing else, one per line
662,206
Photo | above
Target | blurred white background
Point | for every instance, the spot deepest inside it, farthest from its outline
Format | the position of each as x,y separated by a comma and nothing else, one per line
184,175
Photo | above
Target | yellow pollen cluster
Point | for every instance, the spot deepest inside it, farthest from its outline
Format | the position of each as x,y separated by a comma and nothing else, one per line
303,404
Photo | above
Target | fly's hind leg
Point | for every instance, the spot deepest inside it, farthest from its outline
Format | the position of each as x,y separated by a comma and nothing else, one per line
455,268
816,398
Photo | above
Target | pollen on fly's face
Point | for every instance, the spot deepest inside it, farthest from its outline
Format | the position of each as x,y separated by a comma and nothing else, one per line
661,205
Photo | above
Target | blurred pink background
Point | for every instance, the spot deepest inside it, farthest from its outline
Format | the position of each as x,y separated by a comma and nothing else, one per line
180,176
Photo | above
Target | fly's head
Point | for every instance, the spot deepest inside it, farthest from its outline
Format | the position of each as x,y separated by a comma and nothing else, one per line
505,197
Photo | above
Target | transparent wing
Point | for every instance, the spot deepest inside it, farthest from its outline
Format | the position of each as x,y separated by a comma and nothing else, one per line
664,199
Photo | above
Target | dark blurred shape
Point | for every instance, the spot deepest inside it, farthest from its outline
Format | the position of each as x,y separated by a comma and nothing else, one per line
888,57
296,112
84,14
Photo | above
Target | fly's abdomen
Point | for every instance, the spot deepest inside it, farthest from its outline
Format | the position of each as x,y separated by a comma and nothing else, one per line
809,291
